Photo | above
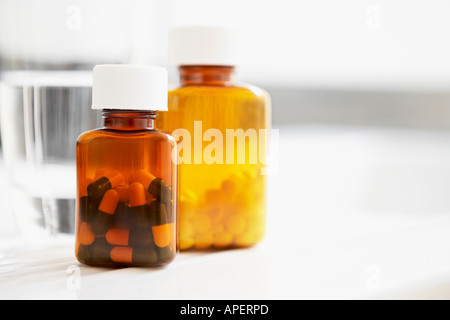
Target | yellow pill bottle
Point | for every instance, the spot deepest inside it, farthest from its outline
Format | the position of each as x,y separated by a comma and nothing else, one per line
222,131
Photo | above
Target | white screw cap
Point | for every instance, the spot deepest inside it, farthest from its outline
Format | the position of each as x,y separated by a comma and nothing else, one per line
130,87
202,46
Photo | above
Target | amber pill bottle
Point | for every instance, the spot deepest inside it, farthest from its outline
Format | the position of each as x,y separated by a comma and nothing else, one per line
222,132
126,202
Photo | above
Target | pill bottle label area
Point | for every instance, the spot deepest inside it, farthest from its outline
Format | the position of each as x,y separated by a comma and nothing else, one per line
222,203
126,200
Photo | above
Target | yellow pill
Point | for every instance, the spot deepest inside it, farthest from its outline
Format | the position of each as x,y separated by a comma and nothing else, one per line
250,212
258,223
230,187
186,229
236,224
186,243
188,196
214,196
223,240
216,213
201,223
217,228
250,176
246,239
239,178
245,200
203,241
259,235
186,210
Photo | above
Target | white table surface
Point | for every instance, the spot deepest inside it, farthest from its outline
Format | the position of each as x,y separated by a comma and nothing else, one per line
353,213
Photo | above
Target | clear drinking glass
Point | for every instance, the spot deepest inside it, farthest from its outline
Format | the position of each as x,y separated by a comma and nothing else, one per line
42,115
47,51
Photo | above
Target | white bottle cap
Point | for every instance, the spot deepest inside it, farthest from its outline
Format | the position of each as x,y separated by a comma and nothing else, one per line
202,46
130,87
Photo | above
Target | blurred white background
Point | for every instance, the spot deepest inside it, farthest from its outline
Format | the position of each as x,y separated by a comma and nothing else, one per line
323,61
350,44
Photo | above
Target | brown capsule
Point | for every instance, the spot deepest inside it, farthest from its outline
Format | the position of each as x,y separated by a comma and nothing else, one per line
104,218
161,227
127,237
97,253
87,206
129,255
100,186
155,186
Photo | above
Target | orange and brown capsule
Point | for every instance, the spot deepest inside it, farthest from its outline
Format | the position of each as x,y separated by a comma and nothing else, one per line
104,218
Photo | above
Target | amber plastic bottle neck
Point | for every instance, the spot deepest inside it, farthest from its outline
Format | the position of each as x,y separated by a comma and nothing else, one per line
206,75
127,120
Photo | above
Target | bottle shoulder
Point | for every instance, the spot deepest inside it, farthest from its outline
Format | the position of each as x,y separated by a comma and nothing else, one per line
104,133
237,90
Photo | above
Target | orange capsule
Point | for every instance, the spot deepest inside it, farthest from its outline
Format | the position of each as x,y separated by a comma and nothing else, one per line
161,235
138,205
109,202
118,237
162,229
145,178
124,193
122,254
115,177
104,218
155,186
128,255
137,195
125,237
85,234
